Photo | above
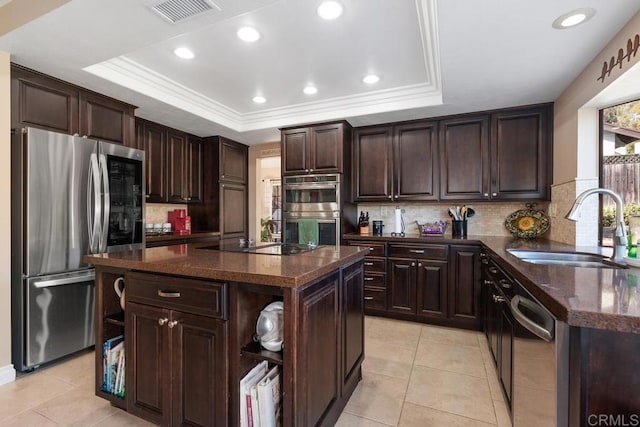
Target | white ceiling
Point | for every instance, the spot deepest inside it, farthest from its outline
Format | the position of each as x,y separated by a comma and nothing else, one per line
434,58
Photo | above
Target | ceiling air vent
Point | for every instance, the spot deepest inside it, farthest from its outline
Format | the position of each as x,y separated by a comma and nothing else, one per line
179,10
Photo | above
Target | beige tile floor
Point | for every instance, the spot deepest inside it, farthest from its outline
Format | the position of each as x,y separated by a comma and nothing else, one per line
413,375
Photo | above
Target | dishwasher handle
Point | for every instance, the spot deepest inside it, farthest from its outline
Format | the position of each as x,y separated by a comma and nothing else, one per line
545,332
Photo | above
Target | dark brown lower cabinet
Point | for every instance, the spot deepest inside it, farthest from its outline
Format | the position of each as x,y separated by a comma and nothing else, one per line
426,282
318,354
432,289
499,328
163,382
352,325
465,286
418,287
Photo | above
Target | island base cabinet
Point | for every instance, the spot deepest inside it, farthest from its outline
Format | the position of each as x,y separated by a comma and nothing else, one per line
318,354
166,386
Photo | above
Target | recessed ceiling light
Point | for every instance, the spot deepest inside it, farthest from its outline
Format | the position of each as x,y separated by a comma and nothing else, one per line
248,34
329,9
184,53
310,90
573,18
371,79
259,99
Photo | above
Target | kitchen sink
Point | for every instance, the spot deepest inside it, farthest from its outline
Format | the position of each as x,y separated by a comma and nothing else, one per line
566,259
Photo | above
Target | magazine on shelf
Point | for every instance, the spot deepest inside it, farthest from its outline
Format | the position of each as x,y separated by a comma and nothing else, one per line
113,365
249,380
269,398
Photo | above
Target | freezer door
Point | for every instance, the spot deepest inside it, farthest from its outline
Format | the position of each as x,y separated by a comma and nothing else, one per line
60,316
56,202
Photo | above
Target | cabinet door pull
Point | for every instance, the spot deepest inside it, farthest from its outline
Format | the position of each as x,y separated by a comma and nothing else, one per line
419,264
368,279
162,321
173,323
416,251
493,270
488,282
371,249
368,298
168,294
413,264
505,283
368,264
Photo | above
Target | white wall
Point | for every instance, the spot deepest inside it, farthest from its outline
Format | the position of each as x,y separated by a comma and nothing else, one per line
7,373
576,136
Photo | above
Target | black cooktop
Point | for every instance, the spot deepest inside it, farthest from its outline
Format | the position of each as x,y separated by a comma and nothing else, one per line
262,248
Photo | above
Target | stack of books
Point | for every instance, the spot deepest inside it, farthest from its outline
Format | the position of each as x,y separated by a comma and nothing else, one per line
113,366
260,397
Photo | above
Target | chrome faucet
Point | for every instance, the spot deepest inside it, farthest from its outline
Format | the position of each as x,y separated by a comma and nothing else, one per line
620,239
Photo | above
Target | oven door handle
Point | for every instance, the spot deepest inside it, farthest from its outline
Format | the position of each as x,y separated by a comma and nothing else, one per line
310,187
546,333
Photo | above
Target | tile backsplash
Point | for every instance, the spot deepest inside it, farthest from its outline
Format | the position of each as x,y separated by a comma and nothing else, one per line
157,212
488,219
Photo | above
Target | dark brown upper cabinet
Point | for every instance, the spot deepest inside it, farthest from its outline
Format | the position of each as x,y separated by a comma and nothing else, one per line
315,149
42,101
106,119
154,144
233,161
184,181
464,158
521,153
505,155
415,161
174,170
372,164
396,163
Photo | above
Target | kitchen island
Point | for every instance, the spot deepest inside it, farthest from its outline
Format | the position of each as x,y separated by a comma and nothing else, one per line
189,319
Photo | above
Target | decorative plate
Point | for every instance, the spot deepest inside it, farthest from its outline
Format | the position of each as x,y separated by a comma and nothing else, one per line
527,223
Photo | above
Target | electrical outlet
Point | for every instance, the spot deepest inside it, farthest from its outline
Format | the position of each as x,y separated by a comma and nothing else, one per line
553,210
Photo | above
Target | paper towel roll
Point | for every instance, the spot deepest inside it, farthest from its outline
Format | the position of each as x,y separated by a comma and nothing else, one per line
398,221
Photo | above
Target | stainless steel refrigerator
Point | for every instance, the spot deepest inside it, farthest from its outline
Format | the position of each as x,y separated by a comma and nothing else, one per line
70,196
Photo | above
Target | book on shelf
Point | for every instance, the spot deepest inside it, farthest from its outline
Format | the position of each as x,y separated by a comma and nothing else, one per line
113,366
268,390
249,380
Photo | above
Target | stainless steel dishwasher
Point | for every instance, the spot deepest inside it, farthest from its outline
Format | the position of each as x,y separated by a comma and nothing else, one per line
530,349
540,363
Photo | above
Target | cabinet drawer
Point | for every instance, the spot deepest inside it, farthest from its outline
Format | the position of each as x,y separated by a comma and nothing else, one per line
419,251
376,265
377,280
375,248
375,298
188,295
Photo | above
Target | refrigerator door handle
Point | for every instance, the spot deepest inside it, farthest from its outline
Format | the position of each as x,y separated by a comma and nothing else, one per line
93,219
91,275
106,203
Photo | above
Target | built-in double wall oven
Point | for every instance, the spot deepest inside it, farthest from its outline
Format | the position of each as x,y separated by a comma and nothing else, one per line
311,209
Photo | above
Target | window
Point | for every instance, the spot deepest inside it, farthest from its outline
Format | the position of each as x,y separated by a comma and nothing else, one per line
620,166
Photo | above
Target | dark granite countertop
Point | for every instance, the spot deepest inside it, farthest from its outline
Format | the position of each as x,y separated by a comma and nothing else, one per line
600,298
191,261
